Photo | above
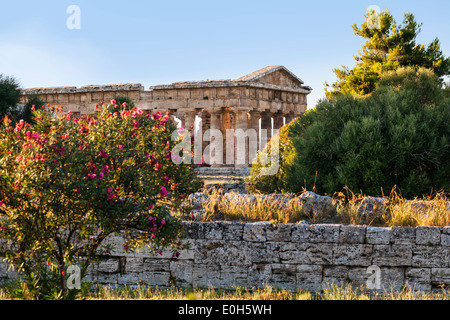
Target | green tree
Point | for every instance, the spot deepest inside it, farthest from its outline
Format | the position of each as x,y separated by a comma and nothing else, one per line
397,136
9,94
66,184
388,46
25,112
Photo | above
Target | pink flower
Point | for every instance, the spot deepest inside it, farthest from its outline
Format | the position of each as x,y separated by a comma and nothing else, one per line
156,116
163,191
163,222
120,146
105,169
110,190
1,203
110,196
103,154
113,101
150,206
124,104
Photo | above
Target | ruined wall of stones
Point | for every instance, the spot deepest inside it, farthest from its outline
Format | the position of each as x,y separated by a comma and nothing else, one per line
291,256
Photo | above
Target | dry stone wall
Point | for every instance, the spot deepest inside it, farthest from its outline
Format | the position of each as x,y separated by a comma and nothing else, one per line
291,256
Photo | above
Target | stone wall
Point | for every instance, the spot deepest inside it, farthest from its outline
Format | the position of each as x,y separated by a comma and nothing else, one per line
291,256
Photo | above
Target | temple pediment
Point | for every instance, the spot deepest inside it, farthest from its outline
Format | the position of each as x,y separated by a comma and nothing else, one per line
273,75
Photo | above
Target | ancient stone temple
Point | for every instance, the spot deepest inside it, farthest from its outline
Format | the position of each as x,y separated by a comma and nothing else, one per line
259,103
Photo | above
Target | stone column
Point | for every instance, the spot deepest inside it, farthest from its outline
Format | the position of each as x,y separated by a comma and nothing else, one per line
225,125
278,121
266,124
253,139
205,124
216,154
241,145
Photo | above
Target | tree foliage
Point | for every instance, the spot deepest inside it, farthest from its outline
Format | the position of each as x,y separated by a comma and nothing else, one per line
398,136
9,94
388,46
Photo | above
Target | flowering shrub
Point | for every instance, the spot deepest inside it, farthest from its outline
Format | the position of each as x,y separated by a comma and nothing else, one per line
66,183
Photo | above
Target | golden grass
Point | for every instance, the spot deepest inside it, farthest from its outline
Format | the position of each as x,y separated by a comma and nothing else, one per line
427,211
219,207
339,291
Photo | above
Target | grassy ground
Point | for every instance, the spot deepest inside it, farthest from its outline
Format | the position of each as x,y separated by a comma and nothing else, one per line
401,211
334,292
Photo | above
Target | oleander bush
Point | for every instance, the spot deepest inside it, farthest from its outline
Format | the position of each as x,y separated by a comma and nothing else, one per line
67,183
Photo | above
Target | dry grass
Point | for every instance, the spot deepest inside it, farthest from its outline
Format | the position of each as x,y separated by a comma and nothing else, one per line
333,292
219,207
428,211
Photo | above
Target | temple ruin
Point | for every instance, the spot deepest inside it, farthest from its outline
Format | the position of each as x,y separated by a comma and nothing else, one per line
264,101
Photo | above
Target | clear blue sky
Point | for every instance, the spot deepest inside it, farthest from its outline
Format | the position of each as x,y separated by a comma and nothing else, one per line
159,42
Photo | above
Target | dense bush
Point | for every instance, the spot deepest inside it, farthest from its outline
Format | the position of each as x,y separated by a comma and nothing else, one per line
397,136
9,95
66,183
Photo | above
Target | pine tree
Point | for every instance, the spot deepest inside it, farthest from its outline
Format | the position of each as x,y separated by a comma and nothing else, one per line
388,46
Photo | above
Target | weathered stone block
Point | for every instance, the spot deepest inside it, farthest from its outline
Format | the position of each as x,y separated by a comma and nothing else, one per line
314,205
109,266
353,254
152,265
403,235
440,276
156,278
317,233
181,271
134,264
284,276
194,229
352,234
205,276
309,277
430,256
320,253
372,208
219,252
267,252
428,235
259,275
233,230
445,236
255,231
214,230
279,232
392,255
418,279
375,235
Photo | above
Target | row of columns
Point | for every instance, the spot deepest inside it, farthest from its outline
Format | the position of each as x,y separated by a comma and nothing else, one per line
233,153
